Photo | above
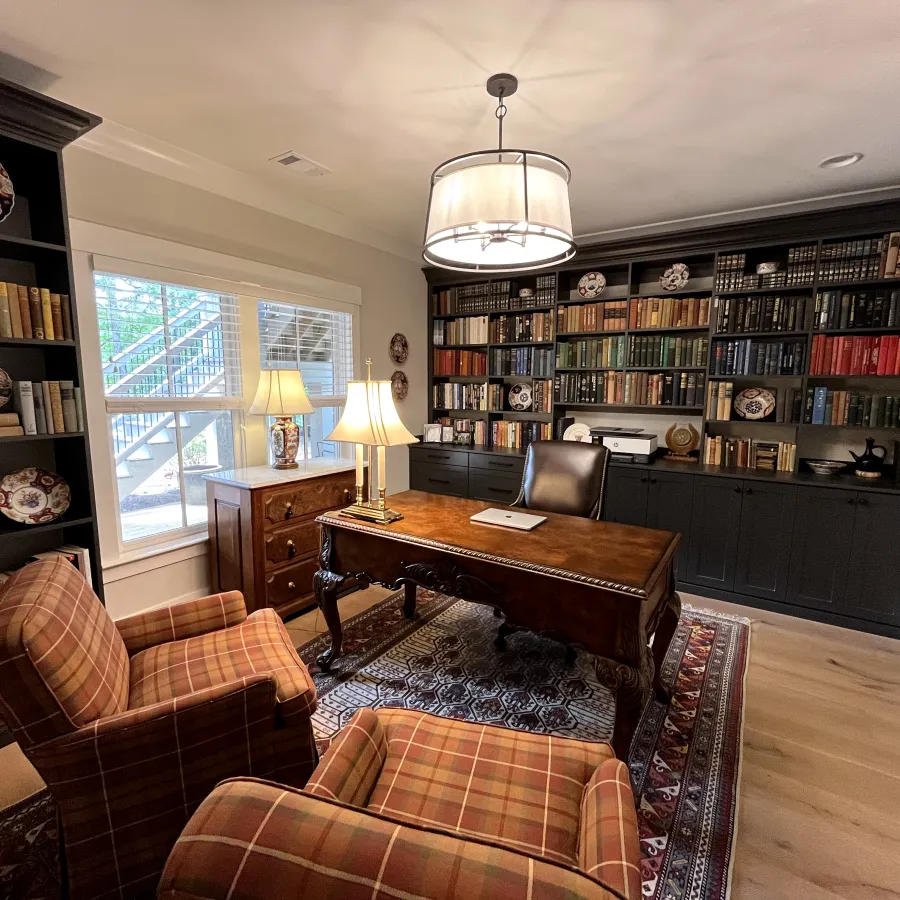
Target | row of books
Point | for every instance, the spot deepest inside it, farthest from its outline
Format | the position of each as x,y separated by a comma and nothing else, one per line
469,298
536,361
731,274
860,260
667,350
447,332
668,312
460,362
720,396
79,557
448,395
845,355
761,313
826,407
544,292
529,327
469,431
744,356
44,407
609,316
861,309
730,271
745,453
630,388
31,312
591,353
519,434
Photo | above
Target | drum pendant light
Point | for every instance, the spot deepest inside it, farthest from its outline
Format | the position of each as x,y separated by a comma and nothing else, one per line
499,210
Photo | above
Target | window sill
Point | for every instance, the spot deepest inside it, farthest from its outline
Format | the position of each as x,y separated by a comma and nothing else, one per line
135,562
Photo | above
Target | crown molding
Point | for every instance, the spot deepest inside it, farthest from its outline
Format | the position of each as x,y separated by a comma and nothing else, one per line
134,148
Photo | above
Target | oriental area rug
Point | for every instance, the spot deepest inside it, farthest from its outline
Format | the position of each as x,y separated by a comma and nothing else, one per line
685,758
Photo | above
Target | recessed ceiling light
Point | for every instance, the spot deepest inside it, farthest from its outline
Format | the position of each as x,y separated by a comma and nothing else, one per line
840,160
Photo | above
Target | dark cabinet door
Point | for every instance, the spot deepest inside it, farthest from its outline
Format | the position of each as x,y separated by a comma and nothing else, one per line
715,518
873,585
764,540
669,499
626,496
820,548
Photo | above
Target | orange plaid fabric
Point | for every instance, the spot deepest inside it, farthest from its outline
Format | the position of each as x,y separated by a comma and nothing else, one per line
62,662
250,840
182,620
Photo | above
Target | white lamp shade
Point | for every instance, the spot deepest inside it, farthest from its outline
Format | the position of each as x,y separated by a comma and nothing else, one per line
281,392
499,211
370,417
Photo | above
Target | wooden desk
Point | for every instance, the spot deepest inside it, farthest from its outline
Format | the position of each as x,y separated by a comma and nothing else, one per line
604,587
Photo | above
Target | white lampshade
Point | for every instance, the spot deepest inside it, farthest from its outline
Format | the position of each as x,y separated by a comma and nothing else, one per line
370,417
499,211
281,392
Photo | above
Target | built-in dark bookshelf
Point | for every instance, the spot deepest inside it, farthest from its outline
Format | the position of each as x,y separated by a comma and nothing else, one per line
35,252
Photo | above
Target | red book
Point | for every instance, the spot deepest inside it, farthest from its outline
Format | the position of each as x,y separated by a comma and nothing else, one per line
845,357
892,366
857,346
815,359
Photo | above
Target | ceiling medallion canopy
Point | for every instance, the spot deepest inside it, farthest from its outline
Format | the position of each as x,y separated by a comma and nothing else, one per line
499,210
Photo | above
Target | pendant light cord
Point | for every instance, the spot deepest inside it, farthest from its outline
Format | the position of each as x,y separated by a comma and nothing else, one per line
500,113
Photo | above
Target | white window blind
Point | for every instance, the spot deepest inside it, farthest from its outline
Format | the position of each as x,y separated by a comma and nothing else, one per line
317,341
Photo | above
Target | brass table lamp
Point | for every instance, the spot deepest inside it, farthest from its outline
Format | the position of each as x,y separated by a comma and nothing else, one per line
282,394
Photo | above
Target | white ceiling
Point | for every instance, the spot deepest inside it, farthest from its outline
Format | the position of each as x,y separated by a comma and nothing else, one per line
664,109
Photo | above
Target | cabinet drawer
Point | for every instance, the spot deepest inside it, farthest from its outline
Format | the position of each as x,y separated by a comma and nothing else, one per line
493,487
291,541
488,462
440,456
307,498
293,583
439,479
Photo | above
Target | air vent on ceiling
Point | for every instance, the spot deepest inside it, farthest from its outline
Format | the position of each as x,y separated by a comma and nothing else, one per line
300,164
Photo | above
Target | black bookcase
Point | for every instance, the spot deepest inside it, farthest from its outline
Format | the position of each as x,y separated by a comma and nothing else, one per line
35,251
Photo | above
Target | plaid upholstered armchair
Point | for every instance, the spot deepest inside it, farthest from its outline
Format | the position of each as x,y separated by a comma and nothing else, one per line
405,804
132,723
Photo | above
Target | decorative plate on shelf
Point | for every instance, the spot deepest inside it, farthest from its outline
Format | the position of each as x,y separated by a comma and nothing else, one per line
33,496
520,398
7,194
682,440
754,403
399,349
6,388
591,285
578,431
675,277
399,385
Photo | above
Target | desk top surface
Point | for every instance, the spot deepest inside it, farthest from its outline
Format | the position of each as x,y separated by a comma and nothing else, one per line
621,557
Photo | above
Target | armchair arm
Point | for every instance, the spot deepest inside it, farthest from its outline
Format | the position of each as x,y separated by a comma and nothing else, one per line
249,835
352,763
181,620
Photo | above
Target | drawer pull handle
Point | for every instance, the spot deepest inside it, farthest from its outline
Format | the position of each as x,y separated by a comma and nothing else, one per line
863,501
500,465
440,456
291,549
288,510
438,481
737,490
291,585
499,490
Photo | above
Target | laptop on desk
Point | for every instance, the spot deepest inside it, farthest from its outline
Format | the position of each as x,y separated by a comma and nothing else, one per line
506,518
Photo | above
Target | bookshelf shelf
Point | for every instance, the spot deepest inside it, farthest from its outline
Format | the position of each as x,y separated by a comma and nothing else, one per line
664,369
34,342
629,407
880,329
738,335
582,334
23,438
751,292
523,344
15,531
461,346
590,368
753,423
669,329
659,292
28,242
750,377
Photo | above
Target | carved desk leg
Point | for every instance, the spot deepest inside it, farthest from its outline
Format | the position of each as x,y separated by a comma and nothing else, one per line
661,640
409,599
327,585
632,690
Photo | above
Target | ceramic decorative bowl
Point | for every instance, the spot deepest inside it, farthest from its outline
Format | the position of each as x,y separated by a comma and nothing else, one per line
526,292
768,268
7,194
399,385
675,277
6,388
33,496
399,349
591,285
826,466
754,403
520,397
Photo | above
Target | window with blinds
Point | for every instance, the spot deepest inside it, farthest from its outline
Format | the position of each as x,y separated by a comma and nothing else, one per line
317,341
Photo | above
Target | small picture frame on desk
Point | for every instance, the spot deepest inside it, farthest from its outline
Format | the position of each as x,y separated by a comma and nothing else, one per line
432,434
446,434
464,438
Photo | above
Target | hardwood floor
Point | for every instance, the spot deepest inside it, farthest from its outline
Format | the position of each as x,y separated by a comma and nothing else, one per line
819,815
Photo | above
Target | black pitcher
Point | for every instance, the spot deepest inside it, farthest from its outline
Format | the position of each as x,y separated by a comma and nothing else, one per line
870,463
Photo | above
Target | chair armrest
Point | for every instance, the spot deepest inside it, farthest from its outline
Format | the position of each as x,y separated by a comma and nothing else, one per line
351,765
248,836
608,837
181,620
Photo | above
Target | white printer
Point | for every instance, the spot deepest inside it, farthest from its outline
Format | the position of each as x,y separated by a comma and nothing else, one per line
630,445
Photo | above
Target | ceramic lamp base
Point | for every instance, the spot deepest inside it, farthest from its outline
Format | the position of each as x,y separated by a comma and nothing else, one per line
284,436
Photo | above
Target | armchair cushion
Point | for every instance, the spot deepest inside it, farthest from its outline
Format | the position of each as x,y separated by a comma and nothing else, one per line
259,644
181,620
251,840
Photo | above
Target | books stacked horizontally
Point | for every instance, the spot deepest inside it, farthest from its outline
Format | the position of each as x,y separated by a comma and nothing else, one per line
522,361
767,312
448,332
667,350
591,353
469,298
528,327
609,316
631,388
49,407
826,407
843,355
519,434
477,428
31,312
460,362
80,557
860,309
744,453
749,357
720,396
860,260
669,312
449,395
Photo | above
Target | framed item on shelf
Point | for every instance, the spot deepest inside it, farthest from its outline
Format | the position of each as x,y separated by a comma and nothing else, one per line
755,404
7,194
446,434
591,285
34,496
399,385
675,277
399,349
464,438
431,434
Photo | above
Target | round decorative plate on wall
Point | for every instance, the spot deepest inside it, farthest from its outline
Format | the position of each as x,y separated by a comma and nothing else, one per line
520,398
591,285
399,349
754,403
7,194
675,277
399,385
33,496
578,431
6,388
